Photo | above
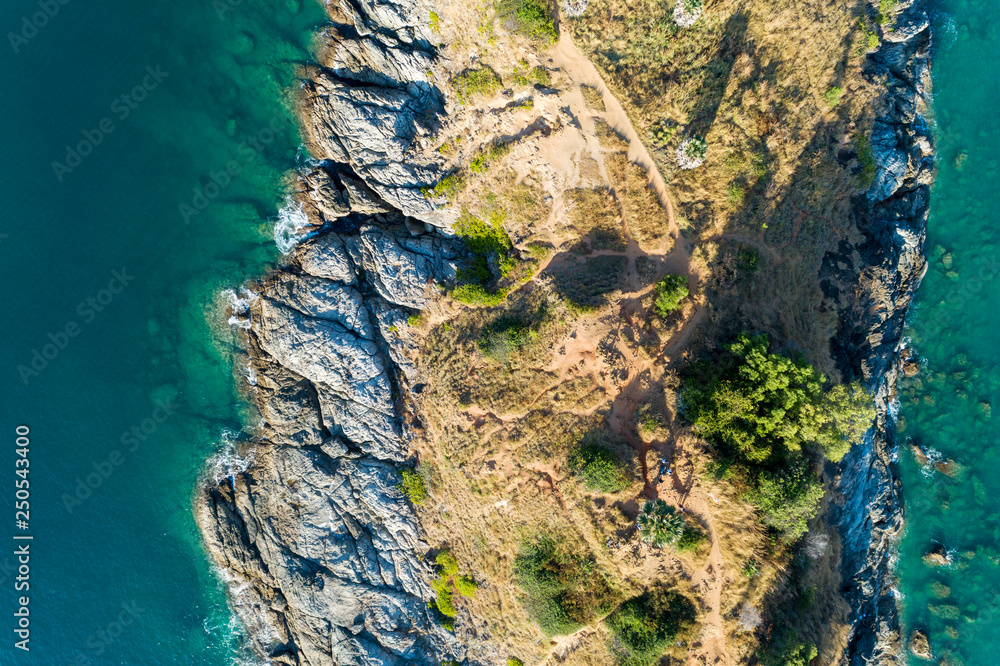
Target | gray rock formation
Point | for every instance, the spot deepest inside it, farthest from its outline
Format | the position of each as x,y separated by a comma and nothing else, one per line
323,554
888,267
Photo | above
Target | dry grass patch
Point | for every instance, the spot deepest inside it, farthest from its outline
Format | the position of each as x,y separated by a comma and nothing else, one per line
595,213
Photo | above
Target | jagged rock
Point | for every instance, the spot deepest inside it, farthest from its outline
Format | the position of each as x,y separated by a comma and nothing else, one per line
326,257
920,646
890,261
402,271
372,129
377,59
937,556
341,547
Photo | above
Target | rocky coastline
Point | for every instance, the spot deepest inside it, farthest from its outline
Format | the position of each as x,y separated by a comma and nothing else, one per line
874,284
324,555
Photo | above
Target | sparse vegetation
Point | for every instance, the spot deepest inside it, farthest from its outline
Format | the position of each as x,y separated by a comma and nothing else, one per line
592,98
531,18
670,291
448,187
493,151
525,75
476,82
565,588
866,161
649,624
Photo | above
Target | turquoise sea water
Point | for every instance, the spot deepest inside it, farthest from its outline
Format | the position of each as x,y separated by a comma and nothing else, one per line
133,384
952,409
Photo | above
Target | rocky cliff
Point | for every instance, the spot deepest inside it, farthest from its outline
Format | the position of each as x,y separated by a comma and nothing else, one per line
874,284
324,554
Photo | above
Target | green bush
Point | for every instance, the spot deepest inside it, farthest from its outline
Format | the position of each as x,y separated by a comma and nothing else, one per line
647,625
413,486
866,161
466,586
787,649
599,468
691,539
670,291
788,498
697,148
448,563
564,587
514,661
659,524
833,95
503,337
477,81
531,18
448,187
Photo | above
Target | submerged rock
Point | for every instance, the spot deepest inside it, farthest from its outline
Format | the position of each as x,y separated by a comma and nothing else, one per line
920,646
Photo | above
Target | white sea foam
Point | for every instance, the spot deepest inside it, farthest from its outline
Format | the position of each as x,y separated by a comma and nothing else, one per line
239,305
288,228
227,462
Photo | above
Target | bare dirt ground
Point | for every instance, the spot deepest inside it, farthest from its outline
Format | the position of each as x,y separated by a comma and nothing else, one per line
620,351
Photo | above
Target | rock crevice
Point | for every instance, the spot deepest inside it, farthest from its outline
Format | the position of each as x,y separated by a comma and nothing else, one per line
323,553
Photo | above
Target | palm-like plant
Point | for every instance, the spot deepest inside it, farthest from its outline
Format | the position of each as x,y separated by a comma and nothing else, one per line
659,524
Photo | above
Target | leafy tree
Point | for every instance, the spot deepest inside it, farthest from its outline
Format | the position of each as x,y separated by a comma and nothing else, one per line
413,486
766,412
761,405
670,291
659,524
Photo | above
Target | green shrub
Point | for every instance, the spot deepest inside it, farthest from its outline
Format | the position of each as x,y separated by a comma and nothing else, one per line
887,11
866,161
787,499
503,337
514,661
751,568
413,486
659,524
531,18
564,586
787,649
477,81
833,95
599,468
476,294
691,539
697,148
466,586
670,291
647,625
448,187
435,22
448,564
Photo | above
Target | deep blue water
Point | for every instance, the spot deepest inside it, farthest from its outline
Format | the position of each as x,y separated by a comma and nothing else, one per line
133,383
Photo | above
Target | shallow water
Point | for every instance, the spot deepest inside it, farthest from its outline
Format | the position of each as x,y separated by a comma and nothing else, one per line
949,408
139,385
